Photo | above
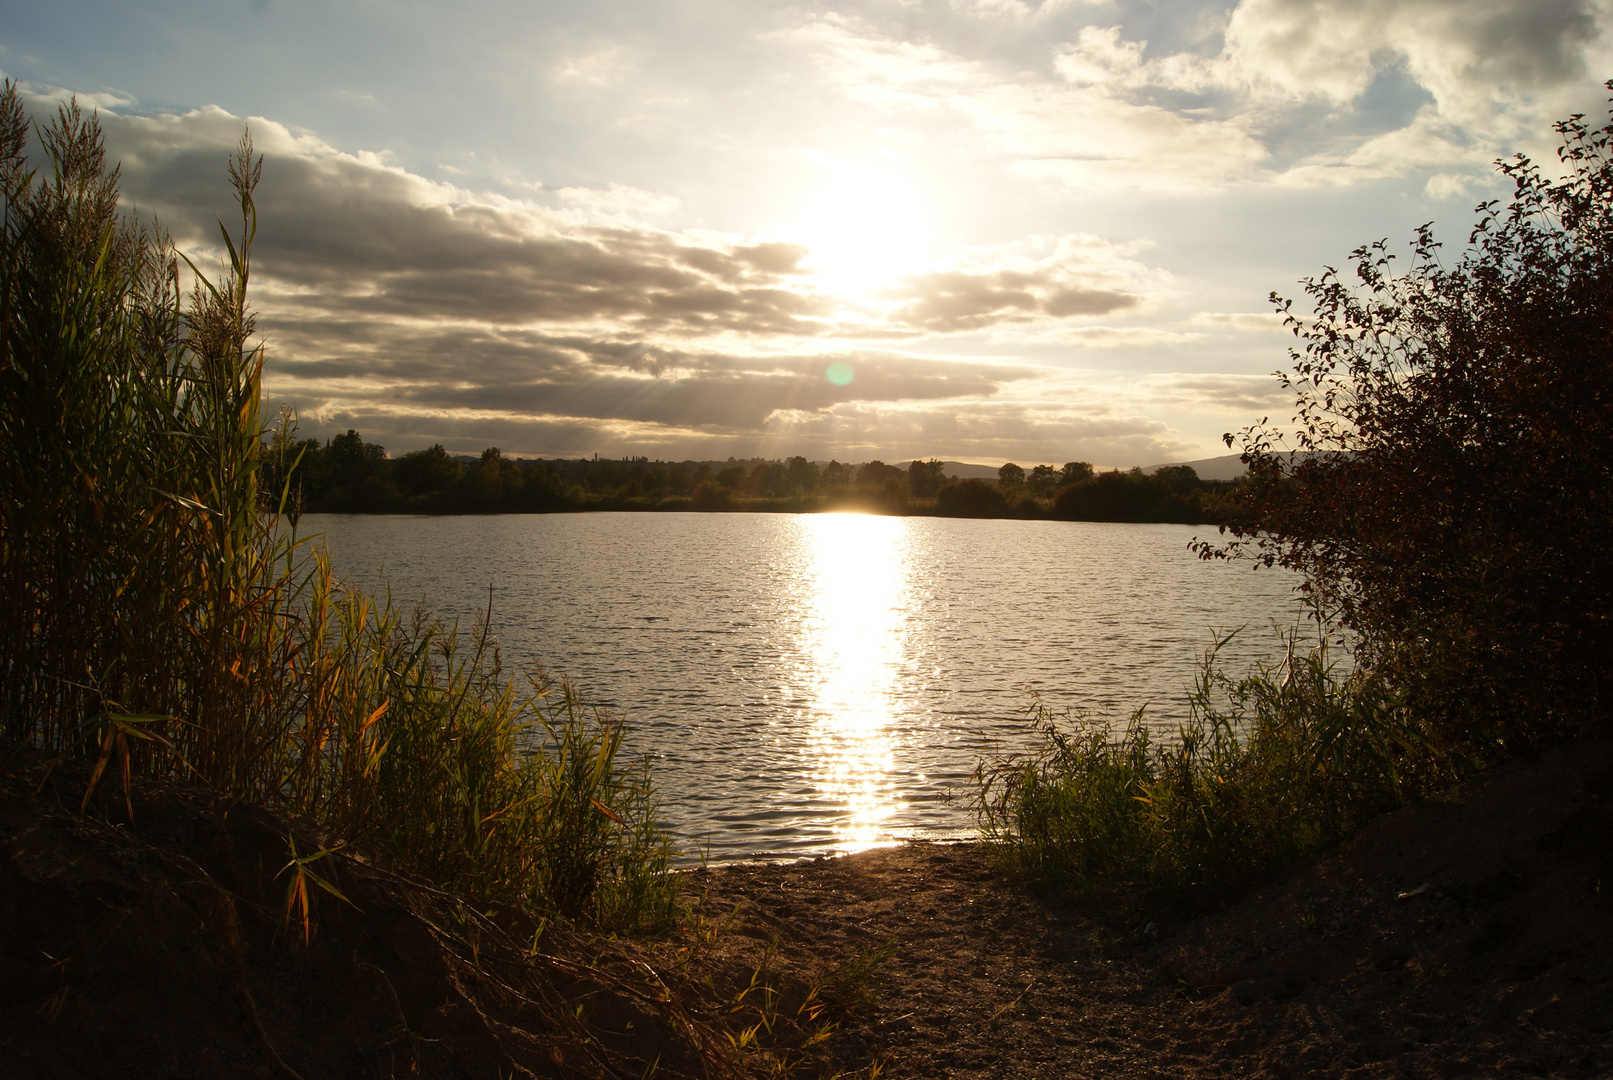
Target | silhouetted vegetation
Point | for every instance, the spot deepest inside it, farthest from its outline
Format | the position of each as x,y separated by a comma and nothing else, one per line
346,474
1173,493
1444,490
971,498
1452,499
1277,764
161,620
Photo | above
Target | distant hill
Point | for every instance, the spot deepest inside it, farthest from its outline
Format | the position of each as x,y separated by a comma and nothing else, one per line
1225,467
960,470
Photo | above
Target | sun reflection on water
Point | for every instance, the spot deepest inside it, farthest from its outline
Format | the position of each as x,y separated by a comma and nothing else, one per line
855,644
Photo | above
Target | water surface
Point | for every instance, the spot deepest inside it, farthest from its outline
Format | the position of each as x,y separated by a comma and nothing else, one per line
828,682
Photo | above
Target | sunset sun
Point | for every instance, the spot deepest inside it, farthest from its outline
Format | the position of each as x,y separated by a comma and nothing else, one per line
864,230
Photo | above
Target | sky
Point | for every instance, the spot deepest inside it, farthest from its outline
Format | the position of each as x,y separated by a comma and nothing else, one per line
978,230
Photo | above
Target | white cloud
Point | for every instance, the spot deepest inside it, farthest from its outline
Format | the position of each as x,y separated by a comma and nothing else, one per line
408,307
1248,395
1253,321
1451,185
1476,57
1082,132
1288,97
1019,11
1044,282
1097,337
600,67
617,199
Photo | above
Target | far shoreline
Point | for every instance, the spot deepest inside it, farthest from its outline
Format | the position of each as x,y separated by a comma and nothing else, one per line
759,506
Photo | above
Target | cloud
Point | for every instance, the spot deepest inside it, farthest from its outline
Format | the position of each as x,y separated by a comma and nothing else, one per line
1082,129
1097,337
1257,321
352,237
1471,55
384,292
1446,185
617,199
417,311
1019,11
601,67
364,240
1026,431
1298,92
1045,281
1246,395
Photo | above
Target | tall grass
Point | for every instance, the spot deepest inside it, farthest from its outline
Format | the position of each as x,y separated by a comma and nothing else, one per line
1274,765
163,619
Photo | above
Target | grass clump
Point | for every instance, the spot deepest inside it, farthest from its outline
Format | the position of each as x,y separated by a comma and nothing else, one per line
1280,763
165,620
407,734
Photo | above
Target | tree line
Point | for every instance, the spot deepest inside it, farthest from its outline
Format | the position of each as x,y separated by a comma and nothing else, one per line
347,474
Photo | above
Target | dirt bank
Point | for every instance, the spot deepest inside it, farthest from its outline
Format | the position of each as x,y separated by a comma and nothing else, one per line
1447,940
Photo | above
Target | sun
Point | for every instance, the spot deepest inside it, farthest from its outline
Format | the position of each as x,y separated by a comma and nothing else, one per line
865,230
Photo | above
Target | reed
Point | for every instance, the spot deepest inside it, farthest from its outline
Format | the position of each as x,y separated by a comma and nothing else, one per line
1277,764
165,618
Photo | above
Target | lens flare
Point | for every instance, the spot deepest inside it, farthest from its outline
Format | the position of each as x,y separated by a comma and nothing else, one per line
839,373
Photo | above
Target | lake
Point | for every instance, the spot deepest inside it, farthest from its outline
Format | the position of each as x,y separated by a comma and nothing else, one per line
828,682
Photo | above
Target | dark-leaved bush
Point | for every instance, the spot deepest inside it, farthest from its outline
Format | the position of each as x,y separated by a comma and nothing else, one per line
1446,483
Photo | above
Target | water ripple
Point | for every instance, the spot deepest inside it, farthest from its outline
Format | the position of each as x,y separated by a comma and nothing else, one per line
828,682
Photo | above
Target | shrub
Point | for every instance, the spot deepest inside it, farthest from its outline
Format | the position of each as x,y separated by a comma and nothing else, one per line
1446,486
1280,763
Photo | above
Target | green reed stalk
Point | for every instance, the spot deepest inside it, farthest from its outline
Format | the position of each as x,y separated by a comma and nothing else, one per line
162,613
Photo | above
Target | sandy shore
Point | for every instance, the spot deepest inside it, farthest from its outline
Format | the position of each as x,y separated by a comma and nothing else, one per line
1471,938
1447,940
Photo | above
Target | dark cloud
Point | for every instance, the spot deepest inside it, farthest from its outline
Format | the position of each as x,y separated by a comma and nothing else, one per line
518,371
417,312
959,300
990,432
365,241
1245,394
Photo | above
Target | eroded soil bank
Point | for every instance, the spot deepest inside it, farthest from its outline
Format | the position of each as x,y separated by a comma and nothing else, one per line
1472,938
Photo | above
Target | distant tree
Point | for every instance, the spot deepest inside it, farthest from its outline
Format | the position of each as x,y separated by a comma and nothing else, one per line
1179,478
893,494
1451,498
1074,472
655,479
836,475
1010,478
873,474
924,478
1041,481
429,472
1128,496
487,480
1109,496
800,476
767,479
709,495
970,498
353,474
